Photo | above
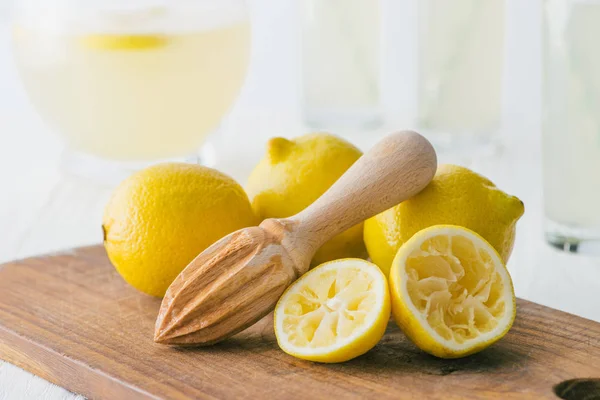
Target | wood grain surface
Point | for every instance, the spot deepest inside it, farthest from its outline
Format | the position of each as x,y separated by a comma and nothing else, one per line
70,319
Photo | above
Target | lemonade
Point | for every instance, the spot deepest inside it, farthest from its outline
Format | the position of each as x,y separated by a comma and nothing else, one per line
461,56
341,62
571,127
144,83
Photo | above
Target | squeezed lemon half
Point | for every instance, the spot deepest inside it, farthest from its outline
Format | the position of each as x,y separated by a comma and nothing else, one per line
334,313
451,293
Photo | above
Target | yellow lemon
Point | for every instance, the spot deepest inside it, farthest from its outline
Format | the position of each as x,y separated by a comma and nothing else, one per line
451,293
334,313
456,196
295,173
123,42
161,218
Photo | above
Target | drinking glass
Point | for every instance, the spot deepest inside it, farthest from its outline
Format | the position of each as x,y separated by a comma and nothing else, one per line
128,83
341,63
571,124
460,67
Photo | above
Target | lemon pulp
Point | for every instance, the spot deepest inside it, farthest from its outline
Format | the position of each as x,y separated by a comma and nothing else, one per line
335,312
329,309
451,292
455,287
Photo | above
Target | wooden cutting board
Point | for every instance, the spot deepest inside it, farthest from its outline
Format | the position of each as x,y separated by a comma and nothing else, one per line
70,319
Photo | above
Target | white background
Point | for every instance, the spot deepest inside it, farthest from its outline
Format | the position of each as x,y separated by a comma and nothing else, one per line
41,210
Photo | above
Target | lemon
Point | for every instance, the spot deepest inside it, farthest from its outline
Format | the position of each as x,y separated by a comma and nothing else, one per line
295,173
122,42
161,218
456,196
451,293
334,313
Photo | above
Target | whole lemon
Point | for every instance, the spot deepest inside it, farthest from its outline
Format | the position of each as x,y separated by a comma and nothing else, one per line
295,173
455,196
161,218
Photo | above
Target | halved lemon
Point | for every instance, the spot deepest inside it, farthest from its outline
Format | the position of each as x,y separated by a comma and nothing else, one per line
451,293
120,42
334,313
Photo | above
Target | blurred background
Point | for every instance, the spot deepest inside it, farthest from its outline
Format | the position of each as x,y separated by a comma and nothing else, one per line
466,73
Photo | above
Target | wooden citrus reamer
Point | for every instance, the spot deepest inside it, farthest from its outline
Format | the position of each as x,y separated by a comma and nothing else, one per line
238,280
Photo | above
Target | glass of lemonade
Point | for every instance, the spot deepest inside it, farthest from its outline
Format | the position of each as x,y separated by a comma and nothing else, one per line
131,82
460,70
571,124
341,59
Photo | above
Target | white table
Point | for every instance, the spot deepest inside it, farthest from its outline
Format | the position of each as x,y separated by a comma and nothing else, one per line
42,210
